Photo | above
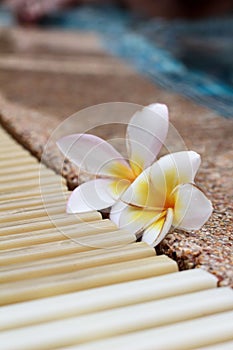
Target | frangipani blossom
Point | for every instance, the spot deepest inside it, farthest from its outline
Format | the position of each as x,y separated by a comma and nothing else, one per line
146,133
162,196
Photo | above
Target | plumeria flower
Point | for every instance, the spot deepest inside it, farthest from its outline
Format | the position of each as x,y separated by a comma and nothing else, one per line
162,196
146,133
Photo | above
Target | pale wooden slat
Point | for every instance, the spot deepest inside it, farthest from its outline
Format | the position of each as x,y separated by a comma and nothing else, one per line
84,279
29,175
78,330
33,214
186,335
66,219
75,262
32,199
104,298
71,231
6,139
49,220
11,150
11,146
21,168
18,161
34,193
48,250
220,346
8,154
27,184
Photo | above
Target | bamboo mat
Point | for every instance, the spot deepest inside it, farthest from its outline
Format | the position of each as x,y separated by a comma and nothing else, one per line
76,281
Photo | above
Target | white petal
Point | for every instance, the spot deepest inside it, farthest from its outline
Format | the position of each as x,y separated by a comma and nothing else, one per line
92,195
156,232
135,220
146,133
117,187
159,108
143,193
116,212
93,155
192,208
174,169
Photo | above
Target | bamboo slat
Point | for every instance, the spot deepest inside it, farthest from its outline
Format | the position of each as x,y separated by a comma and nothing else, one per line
75,262
191,334
105,298
84,279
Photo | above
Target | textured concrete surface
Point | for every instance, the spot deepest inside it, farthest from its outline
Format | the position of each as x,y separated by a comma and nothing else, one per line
46,77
